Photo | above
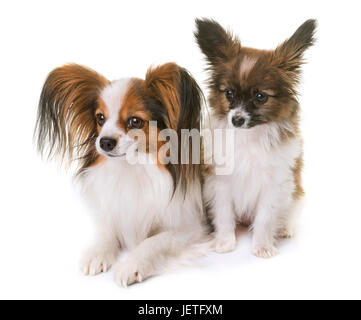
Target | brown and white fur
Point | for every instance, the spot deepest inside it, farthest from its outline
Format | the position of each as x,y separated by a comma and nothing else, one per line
253,92
153,209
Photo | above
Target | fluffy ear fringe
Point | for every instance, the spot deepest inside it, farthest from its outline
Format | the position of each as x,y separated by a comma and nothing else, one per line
289,55
65,124
162,84
180,95
216,43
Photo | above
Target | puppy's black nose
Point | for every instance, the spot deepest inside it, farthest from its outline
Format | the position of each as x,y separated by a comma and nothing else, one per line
238,121
107,144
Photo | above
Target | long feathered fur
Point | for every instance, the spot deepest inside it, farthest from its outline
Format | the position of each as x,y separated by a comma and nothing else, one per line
180,94
65,124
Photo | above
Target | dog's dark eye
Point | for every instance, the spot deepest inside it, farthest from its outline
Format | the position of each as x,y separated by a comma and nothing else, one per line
229,94
100,119
135,123
261,98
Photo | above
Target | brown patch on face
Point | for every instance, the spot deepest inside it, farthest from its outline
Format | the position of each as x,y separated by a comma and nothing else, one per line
297,176
101,109
133,104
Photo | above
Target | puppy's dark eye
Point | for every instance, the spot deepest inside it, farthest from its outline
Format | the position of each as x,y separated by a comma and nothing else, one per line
100,119
229,94
135,123
261,98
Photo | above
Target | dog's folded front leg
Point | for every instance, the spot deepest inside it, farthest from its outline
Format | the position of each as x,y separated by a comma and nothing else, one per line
102,255
150,257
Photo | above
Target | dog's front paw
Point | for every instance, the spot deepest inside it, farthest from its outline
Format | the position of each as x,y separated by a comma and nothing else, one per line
264,251
95,262
225,244
127,273
285,233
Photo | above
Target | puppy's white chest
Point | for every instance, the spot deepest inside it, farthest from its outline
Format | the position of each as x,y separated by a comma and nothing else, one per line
260,170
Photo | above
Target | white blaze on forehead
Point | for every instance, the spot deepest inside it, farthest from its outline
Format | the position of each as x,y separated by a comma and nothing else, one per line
247,65
113,96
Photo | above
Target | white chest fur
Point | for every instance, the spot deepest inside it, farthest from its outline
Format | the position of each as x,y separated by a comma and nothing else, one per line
262,167
134,201
129,199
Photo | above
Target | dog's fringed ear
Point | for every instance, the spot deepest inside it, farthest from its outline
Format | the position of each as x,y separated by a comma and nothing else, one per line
289,55
162,84
181,97
66,124
178,92
191,98
216,43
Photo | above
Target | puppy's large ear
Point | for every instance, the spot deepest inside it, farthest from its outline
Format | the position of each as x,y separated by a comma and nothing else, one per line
289,55
216,43
65,123
181,99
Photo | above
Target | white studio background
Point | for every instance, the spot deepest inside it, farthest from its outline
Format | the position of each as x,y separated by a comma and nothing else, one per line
43,225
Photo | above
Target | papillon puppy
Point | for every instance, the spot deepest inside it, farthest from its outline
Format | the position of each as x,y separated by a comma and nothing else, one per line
254,93
152,208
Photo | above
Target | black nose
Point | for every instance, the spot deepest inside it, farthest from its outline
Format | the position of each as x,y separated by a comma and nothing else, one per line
107,144
238,121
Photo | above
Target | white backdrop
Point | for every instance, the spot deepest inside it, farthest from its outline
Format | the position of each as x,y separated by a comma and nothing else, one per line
43,225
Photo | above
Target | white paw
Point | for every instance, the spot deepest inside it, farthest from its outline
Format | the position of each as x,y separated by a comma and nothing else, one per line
285,233
95,262
127,272
225,244
264,251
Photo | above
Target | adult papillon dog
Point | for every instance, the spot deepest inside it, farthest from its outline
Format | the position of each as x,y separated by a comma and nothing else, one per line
152,208
254,93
